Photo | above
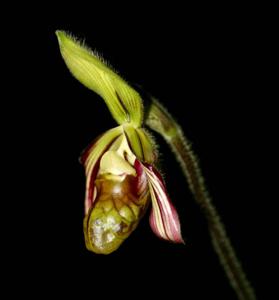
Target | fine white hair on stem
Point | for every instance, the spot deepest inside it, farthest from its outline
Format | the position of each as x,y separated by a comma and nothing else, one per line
160,120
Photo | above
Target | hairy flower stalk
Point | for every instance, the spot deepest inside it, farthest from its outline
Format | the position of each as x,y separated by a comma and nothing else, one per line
121,179
162,122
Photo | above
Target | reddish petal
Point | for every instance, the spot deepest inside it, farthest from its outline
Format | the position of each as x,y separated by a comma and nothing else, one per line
164,219
91,160
142,181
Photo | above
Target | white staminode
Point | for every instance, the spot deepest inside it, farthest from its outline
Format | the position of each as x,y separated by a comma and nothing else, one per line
118,160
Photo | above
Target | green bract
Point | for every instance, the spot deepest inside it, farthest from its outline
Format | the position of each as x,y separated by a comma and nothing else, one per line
124,102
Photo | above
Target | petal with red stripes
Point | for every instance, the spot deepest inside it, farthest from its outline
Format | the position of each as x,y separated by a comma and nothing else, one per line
91,160
163,219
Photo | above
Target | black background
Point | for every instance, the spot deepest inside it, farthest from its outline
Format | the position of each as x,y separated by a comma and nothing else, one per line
207,70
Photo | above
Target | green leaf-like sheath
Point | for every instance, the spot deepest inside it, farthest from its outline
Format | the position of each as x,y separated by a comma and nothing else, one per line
124,102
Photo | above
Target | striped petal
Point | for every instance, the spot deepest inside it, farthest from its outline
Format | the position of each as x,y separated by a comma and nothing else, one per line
164,219
91,160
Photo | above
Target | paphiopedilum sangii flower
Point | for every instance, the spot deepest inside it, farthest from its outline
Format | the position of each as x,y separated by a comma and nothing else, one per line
121,178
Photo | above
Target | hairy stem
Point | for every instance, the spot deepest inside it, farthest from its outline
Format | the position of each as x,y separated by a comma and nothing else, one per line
159,120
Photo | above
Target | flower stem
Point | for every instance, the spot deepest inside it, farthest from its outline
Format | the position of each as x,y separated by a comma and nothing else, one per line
159,120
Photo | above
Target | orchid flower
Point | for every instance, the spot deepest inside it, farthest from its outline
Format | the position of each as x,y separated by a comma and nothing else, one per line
120,165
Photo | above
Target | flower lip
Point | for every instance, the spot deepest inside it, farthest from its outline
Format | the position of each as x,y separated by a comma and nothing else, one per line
121,199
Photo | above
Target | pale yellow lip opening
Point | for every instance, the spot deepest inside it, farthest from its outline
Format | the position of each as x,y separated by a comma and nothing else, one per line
113,163
119,159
